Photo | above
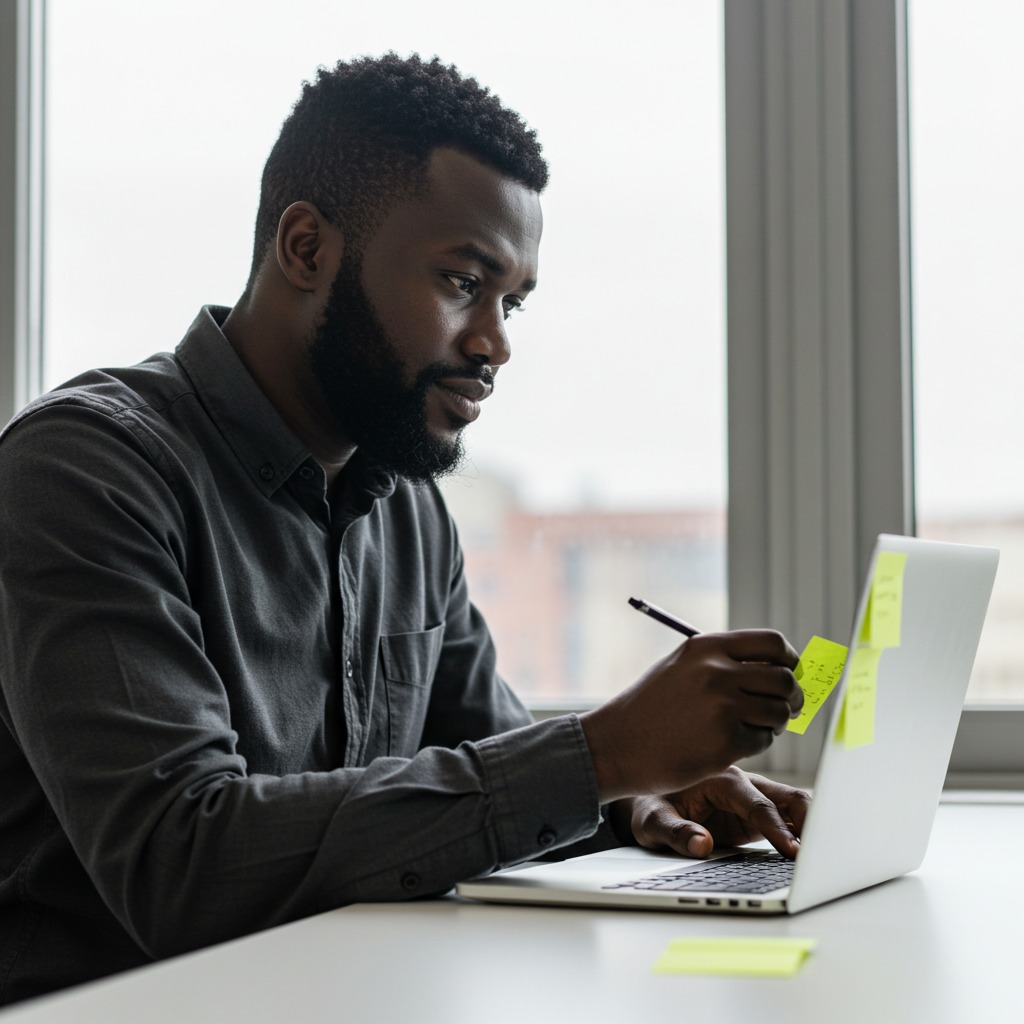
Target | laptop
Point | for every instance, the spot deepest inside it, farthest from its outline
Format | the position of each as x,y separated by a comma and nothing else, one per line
874,805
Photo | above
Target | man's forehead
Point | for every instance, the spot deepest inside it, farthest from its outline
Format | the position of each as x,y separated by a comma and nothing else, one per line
469,205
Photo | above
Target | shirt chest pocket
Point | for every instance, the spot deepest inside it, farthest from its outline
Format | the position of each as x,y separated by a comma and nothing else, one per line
410,660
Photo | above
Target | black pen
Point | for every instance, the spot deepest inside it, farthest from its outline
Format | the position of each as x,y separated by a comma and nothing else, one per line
664,617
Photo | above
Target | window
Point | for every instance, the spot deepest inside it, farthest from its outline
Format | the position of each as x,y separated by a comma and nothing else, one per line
819,378
598,468
819,258
967,146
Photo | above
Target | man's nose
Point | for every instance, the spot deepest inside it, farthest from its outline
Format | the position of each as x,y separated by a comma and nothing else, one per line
485,341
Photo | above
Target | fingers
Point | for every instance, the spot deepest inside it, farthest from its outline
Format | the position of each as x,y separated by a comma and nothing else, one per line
765,645
763,816
774,681
758,661
793,804
766,712
770,809
729,808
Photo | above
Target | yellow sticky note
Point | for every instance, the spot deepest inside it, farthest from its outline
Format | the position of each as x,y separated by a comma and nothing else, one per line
841,724
857,719
821,665
771,956
883,615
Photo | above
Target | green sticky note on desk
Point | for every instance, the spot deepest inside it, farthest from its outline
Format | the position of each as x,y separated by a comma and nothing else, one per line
820,667
771,956
884,613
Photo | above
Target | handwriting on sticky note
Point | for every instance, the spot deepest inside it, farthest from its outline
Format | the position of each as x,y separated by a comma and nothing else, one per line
821,665
884,613
768,956
858,715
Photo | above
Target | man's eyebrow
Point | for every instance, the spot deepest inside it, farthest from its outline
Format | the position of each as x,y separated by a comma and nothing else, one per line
471,251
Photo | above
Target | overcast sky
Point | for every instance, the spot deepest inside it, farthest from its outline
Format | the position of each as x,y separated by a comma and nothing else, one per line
161,115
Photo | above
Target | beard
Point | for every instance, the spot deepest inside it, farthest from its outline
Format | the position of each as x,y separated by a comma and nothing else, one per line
363,381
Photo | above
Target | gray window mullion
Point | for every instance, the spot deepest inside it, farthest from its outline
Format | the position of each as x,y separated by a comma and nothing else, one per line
818,311
21,202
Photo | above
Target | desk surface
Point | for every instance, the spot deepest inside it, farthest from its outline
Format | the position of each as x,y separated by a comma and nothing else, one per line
927,947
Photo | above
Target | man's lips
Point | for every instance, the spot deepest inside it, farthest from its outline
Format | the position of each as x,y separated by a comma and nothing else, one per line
468,387
464,395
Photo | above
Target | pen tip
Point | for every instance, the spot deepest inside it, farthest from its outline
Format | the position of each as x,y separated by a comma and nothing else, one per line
635,602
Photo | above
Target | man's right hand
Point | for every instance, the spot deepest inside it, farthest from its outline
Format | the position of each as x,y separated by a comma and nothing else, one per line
717,698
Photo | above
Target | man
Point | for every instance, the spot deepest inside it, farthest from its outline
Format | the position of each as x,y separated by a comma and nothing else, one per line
242,680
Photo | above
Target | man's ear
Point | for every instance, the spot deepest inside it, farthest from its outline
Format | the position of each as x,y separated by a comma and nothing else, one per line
308,247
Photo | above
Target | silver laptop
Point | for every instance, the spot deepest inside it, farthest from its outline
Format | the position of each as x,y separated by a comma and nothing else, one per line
874,805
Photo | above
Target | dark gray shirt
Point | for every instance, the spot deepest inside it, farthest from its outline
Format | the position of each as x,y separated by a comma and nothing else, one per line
224,708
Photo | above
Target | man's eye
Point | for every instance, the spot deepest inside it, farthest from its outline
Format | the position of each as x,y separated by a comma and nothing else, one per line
464,284
512,306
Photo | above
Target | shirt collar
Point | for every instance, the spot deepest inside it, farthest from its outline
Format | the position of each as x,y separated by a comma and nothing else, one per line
249,422
243,414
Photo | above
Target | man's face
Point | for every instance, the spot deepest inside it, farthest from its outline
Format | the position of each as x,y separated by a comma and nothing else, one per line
414,328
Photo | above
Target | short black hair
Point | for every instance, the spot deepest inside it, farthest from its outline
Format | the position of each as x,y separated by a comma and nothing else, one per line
360,137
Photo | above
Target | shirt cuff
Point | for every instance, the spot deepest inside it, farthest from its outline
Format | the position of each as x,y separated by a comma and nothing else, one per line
542,786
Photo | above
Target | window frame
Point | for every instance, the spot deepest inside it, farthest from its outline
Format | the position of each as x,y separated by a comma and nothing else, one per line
21,203
818,305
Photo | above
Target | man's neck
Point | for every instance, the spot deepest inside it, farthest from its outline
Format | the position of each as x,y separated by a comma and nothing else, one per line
278,362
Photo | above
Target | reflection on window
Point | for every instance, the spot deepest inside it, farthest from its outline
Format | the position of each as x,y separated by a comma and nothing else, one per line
968,210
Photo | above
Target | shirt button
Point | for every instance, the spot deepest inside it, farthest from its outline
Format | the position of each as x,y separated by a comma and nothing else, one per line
410,881
348,668
306,473
267,471
545,837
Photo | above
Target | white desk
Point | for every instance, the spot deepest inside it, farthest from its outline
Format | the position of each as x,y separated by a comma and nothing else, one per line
922,948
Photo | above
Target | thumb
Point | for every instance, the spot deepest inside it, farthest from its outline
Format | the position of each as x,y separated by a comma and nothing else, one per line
657,825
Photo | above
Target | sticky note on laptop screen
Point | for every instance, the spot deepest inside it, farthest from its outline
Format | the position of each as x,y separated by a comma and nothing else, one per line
820,668
857,722
883,616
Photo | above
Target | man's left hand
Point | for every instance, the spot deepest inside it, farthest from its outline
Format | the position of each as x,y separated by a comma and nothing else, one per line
727,809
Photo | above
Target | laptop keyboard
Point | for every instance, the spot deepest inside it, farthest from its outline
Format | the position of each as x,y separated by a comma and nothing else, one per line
752,871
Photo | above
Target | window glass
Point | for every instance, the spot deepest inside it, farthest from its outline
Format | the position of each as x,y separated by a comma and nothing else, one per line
597,469
967,148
